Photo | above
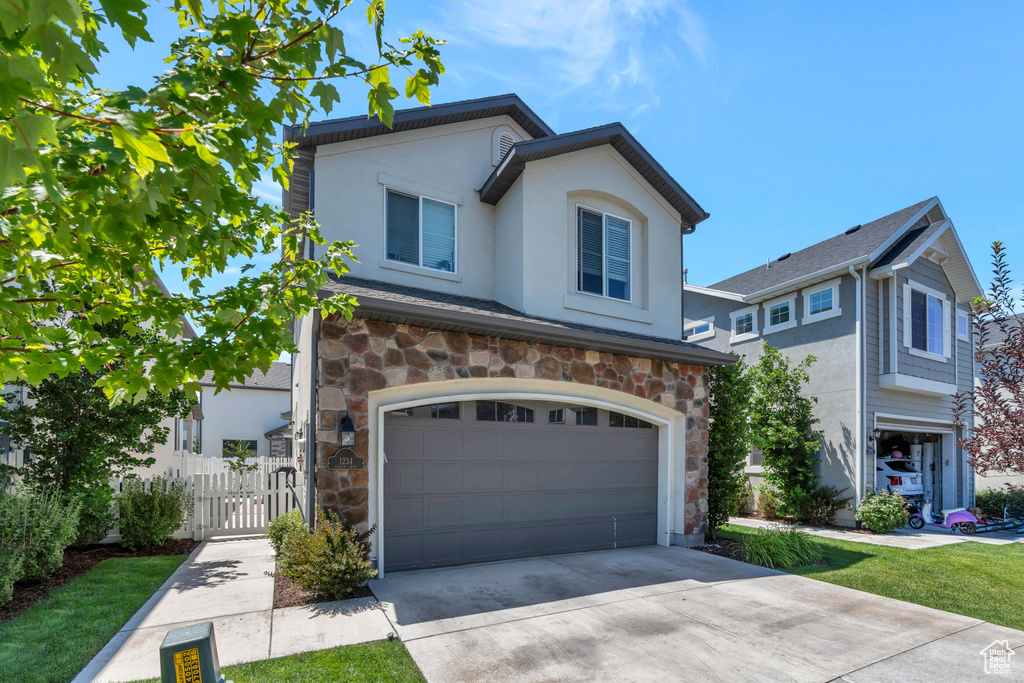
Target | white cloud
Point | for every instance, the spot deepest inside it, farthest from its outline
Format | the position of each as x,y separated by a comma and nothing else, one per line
584,42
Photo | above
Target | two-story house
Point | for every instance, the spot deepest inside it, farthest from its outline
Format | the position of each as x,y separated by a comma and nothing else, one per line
513,381
884,307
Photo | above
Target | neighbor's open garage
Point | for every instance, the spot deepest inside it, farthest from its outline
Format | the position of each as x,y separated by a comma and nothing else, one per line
489,480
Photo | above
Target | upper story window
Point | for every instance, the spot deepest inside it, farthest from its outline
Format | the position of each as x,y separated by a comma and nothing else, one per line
420,231
926,322
963,328
821,301
602,254
700,329
744,324
780,314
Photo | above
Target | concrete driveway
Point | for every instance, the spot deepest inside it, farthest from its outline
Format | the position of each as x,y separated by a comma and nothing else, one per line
671,614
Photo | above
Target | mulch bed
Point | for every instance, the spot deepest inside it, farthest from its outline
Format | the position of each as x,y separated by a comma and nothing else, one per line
723,547
287,593
834,527
77,561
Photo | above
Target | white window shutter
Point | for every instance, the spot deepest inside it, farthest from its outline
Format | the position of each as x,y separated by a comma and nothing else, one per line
946,328
906,316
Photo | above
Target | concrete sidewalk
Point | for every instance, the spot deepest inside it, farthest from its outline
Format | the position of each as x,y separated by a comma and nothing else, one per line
225,581
929,537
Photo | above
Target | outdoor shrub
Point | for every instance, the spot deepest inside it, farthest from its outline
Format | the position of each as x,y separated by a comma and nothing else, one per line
35,528
993,501
821,505
882,511
283,526
744,500
779,548
767,503
331,561
728,440
147,518
97,517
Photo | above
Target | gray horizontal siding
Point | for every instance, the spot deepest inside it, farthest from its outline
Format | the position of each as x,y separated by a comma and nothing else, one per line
930,275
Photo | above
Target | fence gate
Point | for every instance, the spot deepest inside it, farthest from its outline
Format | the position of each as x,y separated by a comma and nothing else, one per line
236,504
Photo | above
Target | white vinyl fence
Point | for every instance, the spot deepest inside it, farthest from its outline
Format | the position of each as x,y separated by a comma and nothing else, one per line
192,464
234,504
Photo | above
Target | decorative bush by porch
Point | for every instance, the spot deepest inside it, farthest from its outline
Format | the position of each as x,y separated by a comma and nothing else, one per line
779,548
148,518
36,525
331,561
821,505
283,527
882,511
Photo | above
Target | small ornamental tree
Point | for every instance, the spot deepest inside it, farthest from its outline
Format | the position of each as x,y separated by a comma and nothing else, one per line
78,440
782,425
995,442
728,440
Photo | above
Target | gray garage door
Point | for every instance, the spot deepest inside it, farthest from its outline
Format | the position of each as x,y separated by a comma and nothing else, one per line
486,480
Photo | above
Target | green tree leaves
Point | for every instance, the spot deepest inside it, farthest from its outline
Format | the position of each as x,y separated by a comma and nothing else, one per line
729,390
102,190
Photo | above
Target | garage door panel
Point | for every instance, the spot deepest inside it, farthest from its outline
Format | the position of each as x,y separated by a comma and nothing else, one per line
442,477
444,511
478,491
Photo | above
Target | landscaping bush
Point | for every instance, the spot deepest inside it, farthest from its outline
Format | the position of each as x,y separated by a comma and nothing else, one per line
36,525
778,548
882,511
283,526
767,503
728,440
331,561
745,500
993,501
148,518
821,505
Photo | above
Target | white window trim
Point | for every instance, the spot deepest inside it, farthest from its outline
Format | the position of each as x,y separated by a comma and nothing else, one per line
788,325
737,338
420,268
604,253
909,286
965,315
703,335
834,312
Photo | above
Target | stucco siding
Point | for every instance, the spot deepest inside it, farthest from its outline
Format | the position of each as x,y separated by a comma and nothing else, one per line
509,248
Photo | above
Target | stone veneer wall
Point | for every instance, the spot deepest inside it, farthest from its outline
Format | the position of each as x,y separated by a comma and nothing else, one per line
360,356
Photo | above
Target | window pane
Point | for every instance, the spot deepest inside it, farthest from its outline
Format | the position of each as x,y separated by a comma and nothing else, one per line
821,301
616,420
701,329
756,458
485,411
618,258
918,321
556,417
961,325
445,411
586,416
745,324
934,325
438,235
778,314
403,228
590,250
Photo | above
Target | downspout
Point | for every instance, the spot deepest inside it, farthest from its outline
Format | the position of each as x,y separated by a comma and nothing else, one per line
311,454
684,230
859,433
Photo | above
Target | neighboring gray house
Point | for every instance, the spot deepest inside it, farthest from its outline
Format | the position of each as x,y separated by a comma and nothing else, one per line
514,381
994,337
884,307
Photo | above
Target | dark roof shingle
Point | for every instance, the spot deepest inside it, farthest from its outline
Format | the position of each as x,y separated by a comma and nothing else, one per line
387,300
821,256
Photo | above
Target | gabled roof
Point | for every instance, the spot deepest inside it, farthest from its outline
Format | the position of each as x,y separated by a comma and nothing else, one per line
996,332
354,127
277,378
426,308
849,247
614,134
909,245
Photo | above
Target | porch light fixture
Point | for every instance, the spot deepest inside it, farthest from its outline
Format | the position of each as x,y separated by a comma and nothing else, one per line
348,432
875,434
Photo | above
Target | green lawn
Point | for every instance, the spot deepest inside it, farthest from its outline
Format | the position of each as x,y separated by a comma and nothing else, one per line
974,579
56,637
380,662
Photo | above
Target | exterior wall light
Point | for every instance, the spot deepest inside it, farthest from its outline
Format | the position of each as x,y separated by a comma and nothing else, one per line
348,432
875,434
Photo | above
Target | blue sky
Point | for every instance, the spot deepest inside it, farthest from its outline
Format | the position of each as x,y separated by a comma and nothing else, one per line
788,122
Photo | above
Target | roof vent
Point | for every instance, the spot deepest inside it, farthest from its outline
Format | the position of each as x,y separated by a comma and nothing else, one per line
852,230
785,256
505,142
